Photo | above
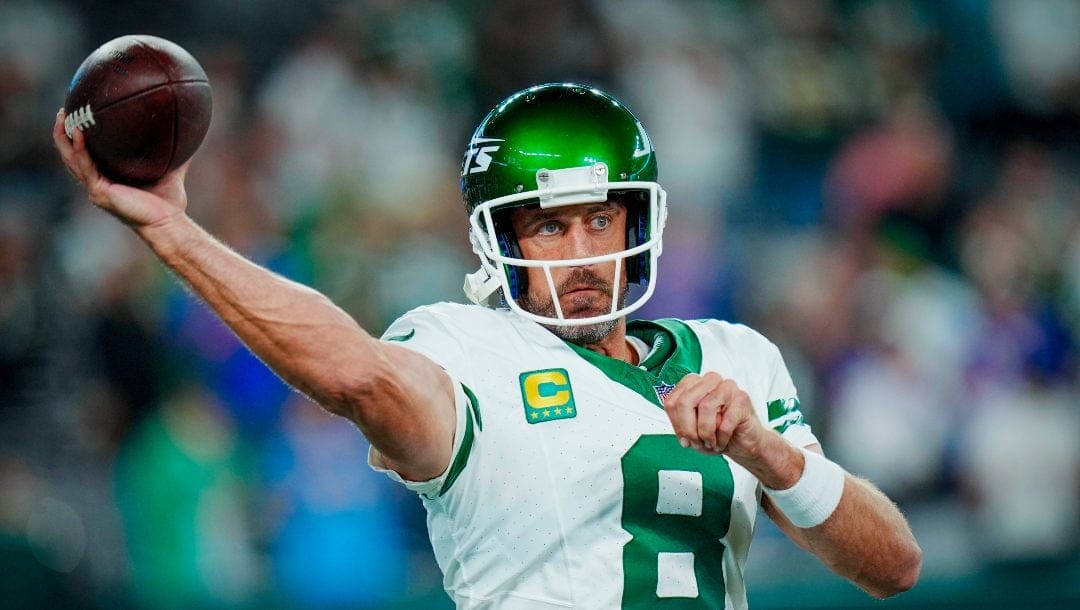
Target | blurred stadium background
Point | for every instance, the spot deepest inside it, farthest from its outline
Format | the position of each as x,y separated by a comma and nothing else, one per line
889,189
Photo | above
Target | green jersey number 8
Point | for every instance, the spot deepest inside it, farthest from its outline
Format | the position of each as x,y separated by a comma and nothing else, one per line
677,507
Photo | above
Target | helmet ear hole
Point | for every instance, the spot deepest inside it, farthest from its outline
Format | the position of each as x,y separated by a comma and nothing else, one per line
637,233
508,246
642,266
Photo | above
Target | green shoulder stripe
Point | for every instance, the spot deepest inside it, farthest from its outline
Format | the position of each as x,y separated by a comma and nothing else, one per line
462,457
784,413
474,406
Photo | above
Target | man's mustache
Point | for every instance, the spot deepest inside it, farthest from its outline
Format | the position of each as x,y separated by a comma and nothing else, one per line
583,277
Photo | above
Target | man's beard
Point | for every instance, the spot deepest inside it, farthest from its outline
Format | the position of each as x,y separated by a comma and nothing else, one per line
589,334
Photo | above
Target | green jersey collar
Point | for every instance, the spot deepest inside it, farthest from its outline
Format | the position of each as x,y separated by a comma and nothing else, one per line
675,352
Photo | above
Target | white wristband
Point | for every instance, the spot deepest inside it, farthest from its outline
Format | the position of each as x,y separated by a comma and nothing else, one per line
815,495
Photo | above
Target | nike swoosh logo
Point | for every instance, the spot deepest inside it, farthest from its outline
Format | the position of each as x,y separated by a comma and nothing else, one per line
405,337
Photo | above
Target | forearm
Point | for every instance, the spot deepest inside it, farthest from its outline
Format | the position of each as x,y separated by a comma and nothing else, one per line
865,539
868,541
300,334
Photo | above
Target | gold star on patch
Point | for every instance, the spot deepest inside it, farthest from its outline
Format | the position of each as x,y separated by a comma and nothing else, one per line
569,410
533,415
558,411
547,413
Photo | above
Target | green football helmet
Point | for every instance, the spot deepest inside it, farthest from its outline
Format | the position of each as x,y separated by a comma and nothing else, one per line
556,145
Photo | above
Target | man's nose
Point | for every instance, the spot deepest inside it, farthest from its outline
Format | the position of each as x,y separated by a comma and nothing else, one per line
579,244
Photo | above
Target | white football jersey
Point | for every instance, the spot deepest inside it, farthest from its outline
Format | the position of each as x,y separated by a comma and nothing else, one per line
567,488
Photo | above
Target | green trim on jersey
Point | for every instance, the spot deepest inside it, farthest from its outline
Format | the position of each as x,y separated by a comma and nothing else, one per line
784,413
684,351
462,457
676,353
474,405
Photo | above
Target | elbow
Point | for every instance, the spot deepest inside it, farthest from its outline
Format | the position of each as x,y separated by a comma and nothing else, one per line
333,393
341,393
363,395
903,575
350,397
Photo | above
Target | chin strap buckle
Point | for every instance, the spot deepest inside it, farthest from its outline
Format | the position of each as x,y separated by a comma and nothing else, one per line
480,285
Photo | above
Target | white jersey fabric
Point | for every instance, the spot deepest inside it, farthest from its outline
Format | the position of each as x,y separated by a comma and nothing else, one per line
567,488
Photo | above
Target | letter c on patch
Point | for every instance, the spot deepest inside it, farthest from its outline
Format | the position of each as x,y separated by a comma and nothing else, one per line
547,389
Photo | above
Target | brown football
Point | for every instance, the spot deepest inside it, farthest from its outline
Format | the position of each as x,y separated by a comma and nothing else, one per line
143,104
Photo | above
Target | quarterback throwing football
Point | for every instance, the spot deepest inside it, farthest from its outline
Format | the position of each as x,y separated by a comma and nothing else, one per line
567,457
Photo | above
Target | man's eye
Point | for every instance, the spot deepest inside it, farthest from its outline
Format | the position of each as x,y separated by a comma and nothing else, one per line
548,228
601,222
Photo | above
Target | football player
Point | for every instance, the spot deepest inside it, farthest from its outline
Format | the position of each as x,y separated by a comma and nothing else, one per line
567,457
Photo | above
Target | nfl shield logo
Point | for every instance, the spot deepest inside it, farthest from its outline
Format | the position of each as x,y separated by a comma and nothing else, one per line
663,389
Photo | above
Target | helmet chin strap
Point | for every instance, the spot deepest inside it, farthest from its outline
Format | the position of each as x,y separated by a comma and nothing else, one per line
480,285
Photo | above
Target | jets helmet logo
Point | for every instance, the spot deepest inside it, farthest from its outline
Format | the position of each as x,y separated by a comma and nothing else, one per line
478,156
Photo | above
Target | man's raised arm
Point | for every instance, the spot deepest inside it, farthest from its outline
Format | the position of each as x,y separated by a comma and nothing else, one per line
402,401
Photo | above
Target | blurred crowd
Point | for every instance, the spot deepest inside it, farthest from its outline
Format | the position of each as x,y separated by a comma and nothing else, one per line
888,189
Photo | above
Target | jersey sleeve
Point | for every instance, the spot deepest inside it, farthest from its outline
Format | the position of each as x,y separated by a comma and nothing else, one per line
782,404
427,331
464,432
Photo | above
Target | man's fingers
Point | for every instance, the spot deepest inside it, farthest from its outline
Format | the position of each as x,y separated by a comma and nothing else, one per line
737,408
136,206
87,172
683,420
64,145
706,410
183,169
720,422
78,158
78,162
683,404
725,428
680,410
709,410
60,139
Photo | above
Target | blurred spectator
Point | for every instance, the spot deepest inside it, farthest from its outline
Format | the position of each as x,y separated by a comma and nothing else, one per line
1022,376
905,164
338,537
522,43
180,484
36,556
20,305
1071,280
1040,51
40,43
1013,246
1021,466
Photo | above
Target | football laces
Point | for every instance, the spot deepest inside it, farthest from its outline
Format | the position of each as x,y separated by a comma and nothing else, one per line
80,119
